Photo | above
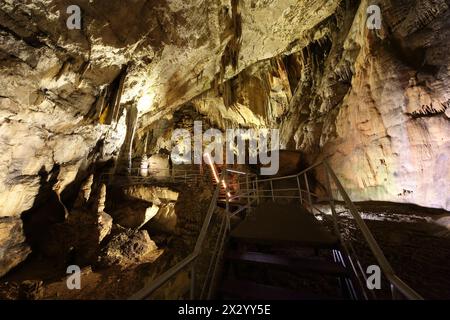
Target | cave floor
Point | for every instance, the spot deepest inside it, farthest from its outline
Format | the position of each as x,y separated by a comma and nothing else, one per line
414,242
44,281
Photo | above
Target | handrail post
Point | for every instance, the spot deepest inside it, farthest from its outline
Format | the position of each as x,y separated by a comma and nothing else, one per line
248,192
253,191
332,204
309,193
299,190
271,189
227,199
257,190
393,292
192,291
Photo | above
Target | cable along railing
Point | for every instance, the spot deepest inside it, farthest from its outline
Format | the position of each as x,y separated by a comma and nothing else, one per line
248,190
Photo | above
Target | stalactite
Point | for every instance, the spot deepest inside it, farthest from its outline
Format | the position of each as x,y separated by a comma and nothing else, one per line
430,110
118,96
133,134
230,55
229,98
146,143
100,106
108,103
124,162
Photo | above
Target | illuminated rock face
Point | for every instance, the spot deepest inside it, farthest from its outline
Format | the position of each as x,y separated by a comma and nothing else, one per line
377,101
388,136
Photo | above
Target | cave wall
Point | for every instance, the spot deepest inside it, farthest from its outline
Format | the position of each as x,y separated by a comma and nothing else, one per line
380,107
375,101
51,130
64,93
390,140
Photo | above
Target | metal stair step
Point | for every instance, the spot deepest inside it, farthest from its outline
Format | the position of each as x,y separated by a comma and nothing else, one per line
248,290
294,264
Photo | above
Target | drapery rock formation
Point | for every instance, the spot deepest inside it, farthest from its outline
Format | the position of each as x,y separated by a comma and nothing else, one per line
375,101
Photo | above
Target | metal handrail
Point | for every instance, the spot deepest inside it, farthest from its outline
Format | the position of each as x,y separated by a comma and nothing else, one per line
294,175
394,279
138,169
134,175
373,245
169,274
386,267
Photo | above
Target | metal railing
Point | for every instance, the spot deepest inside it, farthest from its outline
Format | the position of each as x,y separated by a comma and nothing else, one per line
251,189
396,283
267,189
209,278
148,176
190,260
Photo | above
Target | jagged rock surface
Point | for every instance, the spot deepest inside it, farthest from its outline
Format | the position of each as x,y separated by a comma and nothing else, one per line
128,247
79,237
376,101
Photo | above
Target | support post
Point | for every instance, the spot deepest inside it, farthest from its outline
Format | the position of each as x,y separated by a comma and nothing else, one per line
253,191
271,189
248,192
309,193
227,200
299,190
332,205
257,190
192,292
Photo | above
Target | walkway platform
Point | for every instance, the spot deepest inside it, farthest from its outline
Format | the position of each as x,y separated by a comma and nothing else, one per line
272,224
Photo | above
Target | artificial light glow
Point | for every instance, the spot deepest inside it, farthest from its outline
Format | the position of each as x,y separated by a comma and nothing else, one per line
213,168
238,172
215,173
146,102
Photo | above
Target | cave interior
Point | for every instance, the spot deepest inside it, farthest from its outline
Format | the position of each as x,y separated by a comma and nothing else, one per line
224,149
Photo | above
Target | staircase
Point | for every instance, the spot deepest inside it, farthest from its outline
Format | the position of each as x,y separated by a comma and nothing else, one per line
283,253
271,246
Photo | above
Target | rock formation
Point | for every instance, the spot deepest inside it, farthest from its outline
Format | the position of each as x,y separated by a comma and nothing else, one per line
80,236
375,101
129,247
